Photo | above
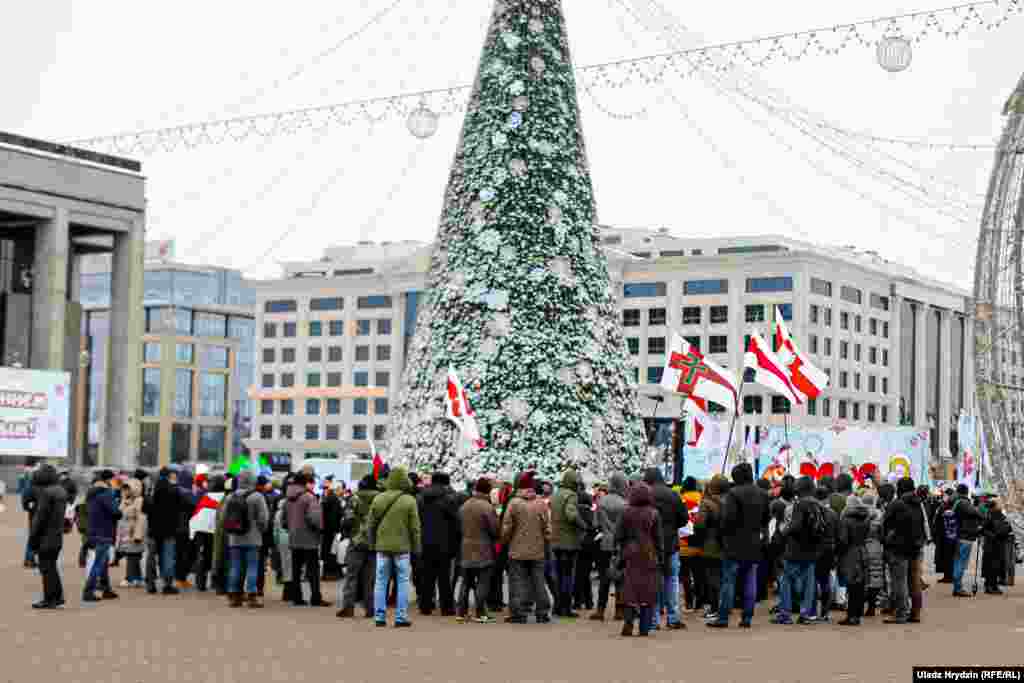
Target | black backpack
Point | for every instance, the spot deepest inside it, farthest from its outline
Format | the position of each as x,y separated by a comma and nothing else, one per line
815,525
236,515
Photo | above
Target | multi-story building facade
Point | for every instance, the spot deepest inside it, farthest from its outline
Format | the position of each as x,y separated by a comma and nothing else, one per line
197,360
332,334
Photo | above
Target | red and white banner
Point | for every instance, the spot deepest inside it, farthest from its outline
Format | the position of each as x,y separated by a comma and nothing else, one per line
689,373
204,517
806,379
460,412
768,370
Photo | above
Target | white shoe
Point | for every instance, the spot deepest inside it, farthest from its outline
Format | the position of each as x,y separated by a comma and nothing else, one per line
126,584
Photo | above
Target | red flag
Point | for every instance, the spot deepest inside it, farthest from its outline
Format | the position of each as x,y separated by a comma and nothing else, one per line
378,465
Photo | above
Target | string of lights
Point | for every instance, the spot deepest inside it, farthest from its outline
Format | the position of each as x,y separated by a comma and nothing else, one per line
913,28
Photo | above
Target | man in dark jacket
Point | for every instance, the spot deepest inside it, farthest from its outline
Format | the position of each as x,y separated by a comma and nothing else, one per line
744,523
330,507
46,537
969,523
439,517
360,561
826,561
28,504
305,526
803,545
163,517
903,528
674,516
104,513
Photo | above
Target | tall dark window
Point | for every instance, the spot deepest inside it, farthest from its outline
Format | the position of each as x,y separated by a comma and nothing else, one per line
908,355
933,385
956,351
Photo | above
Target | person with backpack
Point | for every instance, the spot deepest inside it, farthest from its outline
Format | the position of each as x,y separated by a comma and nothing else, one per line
969,524
395,533
246,517
305,524
803,530
875,555
904,525
826,561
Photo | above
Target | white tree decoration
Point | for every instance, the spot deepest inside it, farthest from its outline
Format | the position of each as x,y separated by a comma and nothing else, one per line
894,53
422,122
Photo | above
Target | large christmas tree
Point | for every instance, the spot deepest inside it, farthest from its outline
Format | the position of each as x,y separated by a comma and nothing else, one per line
519,301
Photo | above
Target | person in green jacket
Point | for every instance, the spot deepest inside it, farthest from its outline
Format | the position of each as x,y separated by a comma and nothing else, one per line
361,560
567,530
394,531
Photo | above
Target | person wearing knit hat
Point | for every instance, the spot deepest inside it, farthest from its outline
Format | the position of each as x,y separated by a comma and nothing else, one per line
479,534
526,530
905,533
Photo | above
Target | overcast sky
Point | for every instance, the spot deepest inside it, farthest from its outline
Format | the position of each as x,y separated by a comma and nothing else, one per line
81,69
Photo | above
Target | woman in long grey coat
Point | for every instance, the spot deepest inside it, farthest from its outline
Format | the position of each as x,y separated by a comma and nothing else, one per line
854,527
875,555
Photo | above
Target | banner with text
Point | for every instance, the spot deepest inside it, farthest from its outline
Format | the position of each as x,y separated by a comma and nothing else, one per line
34,412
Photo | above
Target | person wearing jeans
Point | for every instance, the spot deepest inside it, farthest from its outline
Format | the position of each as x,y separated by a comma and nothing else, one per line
803,547
746,571
244,549
240,556
360,561
398,566
567,529
394,530
674,516
668,592
798,575
104,513
961,560
164,517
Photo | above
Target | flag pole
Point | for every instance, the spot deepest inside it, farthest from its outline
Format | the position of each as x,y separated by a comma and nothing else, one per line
732,426
677,474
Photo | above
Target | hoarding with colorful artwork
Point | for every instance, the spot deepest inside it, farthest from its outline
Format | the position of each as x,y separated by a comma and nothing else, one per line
34,412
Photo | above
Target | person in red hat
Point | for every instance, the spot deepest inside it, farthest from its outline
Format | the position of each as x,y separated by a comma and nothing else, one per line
526,530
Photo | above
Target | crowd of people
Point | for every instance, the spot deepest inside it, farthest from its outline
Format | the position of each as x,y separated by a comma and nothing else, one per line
532,546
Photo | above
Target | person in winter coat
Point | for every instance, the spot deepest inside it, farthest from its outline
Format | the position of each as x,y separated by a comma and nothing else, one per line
583,589
969,523
244,548
163,512
875,551
566,539
479,524
46,535
212,489
997,534
361,559
526,531
183,551
854,564
331,506
103,517
639,540
844,489
673,516
609,512
826,561
744,523
803,546
707,525
395,531
691,551
131,533
305,525
904,526
496,598
28,504
439,517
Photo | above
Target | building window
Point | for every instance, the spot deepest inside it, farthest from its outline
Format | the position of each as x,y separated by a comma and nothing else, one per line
380,432
871,412
382,379
813,313
873,355
719,315
704,287
334,379
266,432
151,392
360,406
857,323
383,352
813,343
315,354
312,379
316,328
182,393
656,345
780,405
786,310
336,328
885,414
873,326
631,317
268,381
636,376
212,444
718,343
885,358
211,325
181,443
285,432
769,284
183,354
633,343
880,302
312,406
334,406
288,355
842,410
654,374
656,316
694,342
691,315
844,320
844,350
856,381
856,410
287,379
281,306
826,407
828,346
872,384
269,330
289,329
312,432
359,432
287,406
828,316
851,294
380,406
821,287
885,385
361,378
331,432
384,326
213,394
812,406
375,301
753,405
363,328
332,303
633,290
844,379
269,355
755,314
362,354
266,407
333,354
885,330
856,352
151,352
183,321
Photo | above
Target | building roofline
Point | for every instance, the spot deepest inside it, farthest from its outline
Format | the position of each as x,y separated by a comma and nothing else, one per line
72,153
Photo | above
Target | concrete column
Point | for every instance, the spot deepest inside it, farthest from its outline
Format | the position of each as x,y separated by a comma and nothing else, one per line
49,293
921,351
969,374
120,444
945,381
892,399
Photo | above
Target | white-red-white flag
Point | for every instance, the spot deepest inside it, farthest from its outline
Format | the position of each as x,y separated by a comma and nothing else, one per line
689,373
807,379
460,412
768,370
696,420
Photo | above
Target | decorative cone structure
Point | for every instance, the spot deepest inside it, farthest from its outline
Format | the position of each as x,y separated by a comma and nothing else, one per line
519,301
